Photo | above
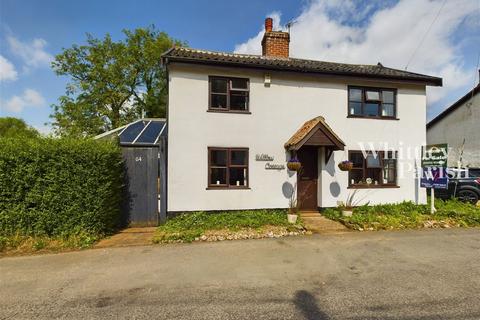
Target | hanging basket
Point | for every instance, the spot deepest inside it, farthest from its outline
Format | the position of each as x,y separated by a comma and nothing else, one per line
345,165
294,164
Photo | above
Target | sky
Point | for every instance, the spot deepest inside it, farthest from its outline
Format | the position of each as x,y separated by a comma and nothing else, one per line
436,37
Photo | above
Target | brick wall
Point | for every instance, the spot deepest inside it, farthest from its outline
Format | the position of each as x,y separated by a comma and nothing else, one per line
276,44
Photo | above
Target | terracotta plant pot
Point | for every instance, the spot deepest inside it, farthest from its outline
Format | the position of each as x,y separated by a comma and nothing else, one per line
294,166
345,165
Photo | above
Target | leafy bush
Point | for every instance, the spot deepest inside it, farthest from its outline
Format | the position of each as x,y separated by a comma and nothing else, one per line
13,127
59,187
408,215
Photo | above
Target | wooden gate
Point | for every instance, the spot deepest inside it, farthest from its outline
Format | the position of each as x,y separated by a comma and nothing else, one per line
142,186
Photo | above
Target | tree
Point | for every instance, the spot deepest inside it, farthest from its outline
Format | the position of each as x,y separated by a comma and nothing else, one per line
112,83
146,47
13,127
77,118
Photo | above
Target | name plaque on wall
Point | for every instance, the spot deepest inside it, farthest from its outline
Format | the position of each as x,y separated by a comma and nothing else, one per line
274,166
263,157
268,165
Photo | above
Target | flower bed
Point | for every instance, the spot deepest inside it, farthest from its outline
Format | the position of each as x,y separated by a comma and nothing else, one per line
227,225
407,215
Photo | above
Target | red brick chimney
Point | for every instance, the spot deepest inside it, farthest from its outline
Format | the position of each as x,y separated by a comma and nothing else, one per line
275,43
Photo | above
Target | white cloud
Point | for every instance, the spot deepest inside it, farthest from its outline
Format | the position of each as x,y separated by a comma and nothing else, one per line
254,45
29,98
45,130
386,33
7,70
33,53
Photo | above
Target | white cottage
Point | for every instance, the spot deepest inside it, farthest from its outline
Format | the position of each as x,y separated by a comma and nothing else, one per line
234,120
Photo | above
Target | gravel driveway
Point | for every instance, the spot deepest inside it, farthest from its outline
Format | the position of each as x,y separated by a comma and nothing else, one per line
431,274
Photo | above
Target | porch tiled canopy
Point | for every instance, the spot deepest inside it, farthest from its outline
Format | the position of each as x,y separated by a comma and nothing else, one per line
315,132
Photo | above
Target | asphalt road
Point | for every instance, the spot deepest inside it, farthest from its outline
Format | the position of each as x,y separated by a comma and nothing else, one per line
431,274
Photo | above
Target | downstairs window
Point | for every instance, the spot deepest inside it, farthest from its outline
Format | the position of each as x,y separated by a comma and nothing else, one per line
227,168
373,170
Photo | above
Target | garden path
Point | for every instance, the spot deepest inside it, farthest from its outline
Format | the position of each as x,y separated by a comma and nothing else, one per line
316,223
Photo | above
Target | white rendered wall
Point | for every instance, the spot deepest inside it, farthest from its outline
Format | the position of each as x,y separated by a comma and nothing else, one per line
276,113
462,123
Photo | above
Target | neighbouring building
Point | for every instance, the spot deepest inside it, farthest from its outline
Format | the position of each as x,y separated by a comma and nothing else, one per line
459,126
234,120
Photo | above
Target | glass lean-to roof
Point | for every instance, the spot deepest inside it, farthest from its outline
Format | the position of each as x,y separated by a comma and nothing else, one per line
144,131
141,132
132,131
151,133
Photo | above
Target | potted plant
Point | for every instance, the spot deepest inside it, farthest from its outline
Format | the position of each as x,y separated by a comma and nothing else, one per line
347,208
345,165
292,215
293,206
294,164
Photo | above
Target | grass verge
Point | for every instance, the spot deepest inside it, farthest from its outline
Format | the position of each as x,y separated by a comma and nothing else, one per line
407,215
21,244
189,226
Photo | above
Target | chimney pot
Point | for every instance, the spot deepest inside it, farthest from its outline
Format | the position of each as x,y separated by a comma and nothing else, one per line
275,43
268,24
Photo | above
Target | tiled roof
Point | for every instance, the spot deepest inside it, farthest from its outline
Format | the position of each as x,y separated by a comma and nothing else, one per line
306,129
181,54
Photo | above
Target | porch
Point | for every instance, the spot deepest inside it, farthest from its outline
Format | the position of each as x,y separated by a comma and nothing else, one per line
313,144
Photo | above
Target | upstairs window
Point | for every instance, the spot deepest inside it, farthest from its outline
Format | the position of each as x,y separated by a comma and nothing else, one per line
372,103
375,170
228,94
227,168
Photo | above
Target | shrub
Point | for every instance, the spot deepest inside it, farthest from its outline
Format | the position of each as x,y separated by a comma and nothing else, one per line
408,215
14,127
59,187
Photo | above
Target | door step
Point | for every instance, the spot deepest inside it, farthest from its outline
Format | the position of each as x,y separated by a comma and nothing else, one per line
317,223
310,214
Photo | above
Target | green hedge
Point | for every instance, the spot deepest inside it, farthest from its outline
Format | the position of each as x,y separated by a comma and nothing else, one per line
59,187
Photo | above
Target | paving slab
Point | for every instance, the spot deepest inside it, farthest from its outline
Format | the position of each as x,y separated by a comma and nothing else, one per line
129,237
317,223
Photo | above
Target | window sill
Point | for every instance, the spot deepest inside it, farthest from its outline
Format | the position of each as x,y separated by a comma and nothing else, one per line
227,188
229,111
374,187
373,118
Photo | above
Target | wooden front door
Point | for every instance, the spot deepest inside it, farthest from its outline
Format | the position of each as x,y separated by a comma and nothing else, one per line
307,178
